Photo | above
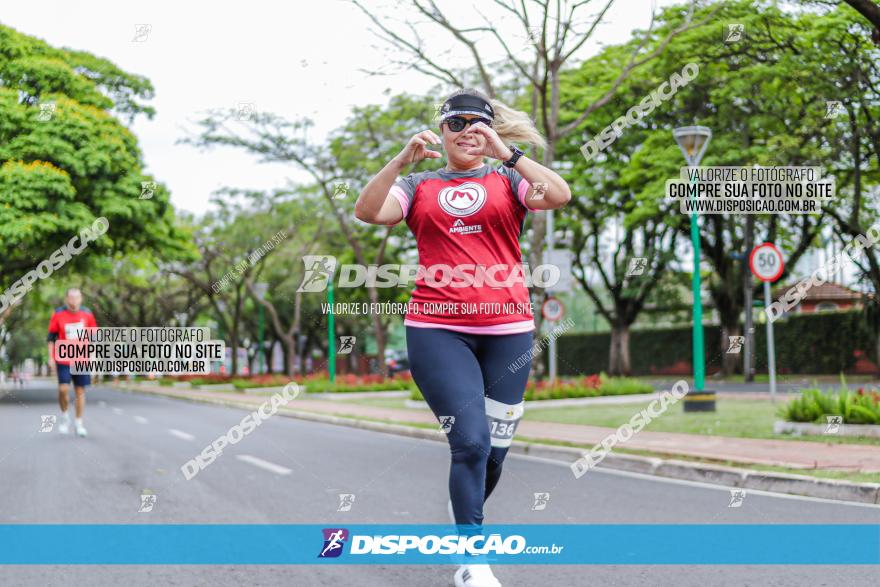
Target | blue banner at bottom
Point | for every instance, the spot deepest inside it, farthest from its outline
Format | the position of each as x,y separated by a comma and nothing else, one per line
297,544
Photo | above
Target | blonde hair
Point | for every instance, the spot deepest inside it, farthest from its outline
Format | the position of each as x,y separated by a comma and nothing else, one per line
512,126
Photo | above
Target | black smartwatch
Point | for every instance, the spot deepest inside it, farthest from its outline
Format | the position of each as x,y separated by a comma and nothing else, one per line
514,158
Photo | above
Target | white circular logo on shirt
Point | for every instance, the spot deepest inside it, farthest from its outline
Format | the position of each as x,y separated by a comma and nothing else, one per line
462,200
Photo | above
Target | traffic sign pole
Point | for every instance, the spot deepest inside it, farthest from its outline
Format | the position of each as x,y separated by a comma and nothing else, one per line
552,310
551,243
771,350
767,265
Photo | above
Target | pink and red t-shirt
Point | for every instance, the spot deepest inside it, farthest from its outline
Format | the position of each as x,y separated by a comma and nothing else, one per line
466,220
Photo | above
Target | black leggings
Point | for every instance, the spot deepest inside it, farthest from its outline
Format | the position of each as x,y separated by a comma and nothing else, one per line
462,375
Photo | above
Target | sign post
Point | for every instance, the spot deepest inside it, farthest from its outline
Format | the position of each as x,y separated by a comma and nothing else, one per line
562,260
767,264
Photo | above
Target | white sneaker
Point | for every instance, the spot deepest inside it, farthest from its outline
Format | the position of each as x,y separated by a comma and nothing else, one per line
64,424
450,511
475,576
81,430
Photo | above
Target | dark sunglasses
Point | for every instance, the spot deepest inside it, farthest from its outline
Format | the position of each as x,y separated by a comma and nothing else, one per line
457,123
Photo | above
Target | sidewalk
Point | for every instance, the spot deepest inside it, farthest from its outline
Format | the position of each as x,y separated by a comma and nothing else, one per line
784,453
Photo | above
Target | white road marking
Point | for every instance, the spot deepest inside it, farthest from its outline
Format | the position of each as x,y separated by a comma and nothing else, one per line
701,484
117,411
181,434
140,420
264,464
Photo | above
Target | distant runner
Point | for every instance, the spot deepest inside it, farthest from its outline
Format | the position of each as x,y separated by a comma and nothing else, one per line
63,326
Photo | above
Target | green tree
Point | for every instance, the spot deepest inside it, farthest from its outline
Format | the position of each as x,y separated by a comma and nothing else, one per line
66,158
738,93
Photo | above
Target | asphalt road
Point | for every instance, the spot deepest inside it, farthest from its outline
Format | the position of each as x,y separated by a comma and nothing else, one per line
291,471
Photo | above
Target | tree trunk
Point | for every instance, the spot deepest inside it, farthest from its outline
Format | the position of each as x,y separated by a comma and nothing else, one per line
730,362
729,311
269,350
289,344
379,333
619,357
234,367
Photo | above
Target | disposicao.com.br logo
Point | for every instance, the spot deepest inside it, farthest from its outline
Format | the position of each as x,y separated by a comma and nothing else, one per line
321,269
403,544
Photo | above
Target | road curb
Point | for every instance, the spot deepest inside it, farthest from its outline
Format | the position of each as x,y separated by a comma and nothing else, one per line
835,489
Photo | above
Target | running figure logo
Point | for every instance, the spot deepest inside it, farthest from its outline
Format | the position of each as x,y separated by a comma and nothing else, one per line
148,500
48,422
334,540
637,266
737,496
832,425
540,188
346,500
346,344
246,111
319,270
733,32
147,190
534,34
46,112
736,344
141,32
833,108
340,189
541,500
446,423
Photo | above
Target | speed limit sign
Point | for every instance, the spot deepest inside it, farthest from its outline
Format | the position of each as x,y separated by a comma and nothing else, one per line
552,309
766,262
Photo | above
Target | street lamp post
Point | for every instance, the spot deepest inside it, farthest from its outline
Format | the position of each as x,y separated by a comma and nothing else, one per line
693,140
261,289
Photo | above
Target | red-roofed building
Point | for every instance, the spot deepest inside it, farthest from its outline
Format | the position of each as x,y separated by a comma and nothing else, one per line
832,297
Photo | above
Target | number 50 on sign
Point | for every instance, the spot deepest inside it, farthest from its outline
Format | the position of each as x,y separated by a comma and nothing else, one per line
766,262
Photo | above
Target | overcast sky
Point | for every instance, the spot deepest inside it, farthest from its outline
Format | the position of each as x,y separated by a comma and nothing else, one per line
294,59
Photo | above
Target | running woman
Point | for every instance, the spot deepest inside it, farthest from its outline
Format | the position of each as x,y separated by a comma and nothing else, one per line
462,334
63,326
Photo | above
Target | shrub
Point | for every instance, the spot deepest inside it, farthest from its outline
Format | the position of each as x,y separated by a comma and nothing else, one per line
208,380
203,379
588,386
320,383
366,383
623,386
267,380
862,407
805,343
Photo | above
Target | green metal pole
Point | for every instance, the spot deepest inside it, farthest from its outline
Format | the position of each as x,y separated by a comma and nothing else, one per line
699,361
261,327
331,330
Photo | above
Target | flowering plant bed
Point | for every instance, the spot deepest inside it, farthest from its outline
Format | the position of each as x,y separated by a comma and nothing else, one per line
587,386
